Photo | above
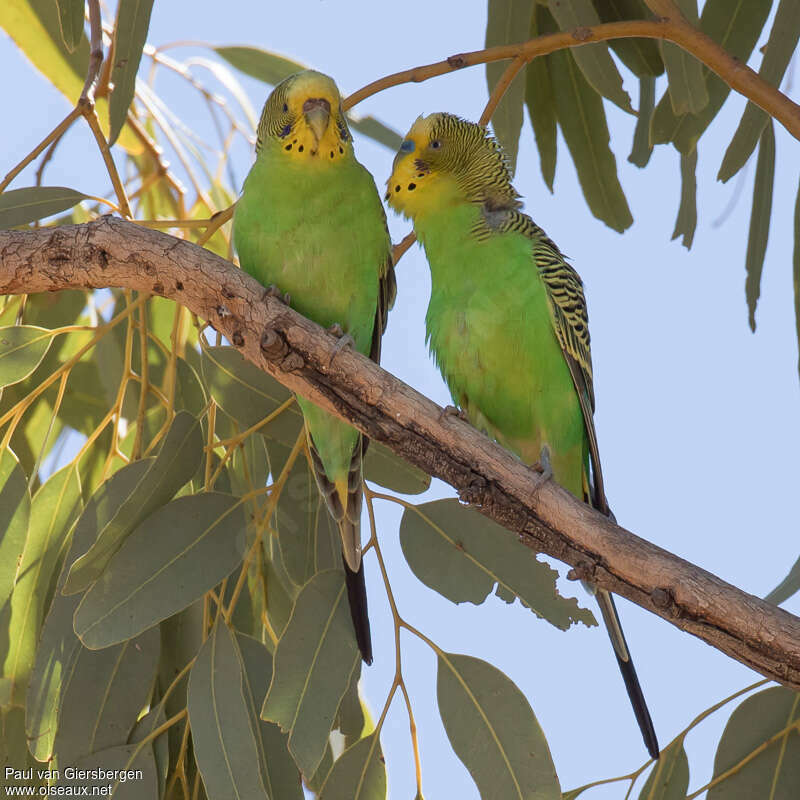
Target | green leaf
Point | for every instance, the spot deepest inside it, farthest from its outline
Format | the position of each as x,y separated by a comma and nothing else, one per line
248,394
759,220
686,222
540,100
779,49
144,727
594,60
178,554
787,587
383,467
640,56
22,348
350,719
583,122
222,732
775,771
358,774
494,731
375,129
314,660
58,645
106,691
21,206
115,758
259,64
70,18
508,22
687,84
669,778
735,25
278,771
130,35
175,464
796,270
642,149
15,510
54,508
462,555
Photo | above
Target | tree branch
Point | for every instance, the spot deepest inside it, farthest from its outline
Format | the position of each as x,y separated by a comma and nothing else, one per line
298,353
673,29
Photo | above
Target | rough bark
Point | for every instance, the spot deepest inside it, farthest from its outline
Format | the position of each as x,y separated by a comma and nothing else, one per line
112,252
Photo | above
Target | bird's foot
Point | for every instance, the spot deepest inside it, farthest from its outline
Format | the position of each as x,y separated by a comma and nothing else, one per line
345,340
543,467
452,411
273,291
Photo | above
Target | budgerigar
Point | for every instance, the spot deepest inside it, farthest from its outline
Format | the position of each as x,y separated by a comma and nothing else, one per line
507,320
310,223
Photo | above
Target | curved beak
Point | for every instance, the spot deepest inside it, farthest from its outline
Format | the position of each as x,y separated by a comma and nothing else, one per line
317,112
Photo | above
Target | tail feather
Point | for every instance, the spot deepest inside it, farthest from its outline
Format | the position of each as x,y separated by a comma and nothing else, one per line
357,595
610,616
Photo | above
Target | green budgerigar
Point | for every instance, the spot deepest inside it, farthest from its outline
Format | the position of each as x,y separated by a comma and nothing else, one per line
507,320
310,223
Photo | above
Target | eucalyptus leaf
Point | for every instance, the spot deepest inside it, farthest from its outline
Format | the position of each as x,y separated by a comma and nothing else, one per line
15,510
787,587
22,348
21,206
260,64
178,554
70,18
222,729
314,661
687,84
358,774
775,771
641,149
796,269
494,731
686,222
143,787
640,56
383,467
463,555
669,778
144,727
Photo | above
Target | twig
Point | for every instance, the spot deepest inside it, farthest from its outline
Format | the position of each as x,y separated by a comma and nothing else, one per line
95,53
89,113
501,88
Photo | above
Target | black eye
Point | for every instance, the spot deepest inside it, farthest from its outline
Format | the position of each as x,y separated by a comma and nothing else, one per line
436,144
285,107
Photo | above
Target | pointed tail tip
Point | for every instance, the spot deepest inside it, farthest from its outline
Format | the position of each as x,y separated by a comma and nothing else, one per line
357,596
639,707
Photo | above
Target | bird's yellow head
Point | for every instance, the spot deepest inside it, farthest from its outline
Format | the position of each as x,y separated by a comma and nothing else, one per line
303,119
445,159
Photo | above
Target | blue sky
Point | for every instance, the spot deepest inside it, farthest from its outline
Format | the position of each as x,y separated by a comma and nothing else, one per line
697,418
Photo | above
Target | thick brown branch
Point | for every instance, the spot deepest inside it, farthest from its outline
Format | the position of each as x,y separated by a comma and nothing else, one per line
113,252
736,74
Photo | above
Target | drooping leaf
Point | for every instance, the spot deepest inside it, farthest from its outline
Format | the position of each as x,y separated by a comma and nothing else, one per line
686,222
540,100
175,464
144,727
259,64
462,555
70,18
58,646
22,348
175,556
314,661
507,23
111,760
669,778
494,731
130,35
687,90
594,60
383,467
735,25
21,206
350,718
775,771
787,587
358,774
779,49
375,129
246,393
759,220
107,690
279,773
583,122
642,149
640,56
15,509
54,508
222,730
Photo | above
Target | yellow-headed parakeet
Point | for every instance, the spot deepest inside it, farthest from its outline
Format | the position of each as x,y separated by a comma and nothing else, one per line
310,221
507,321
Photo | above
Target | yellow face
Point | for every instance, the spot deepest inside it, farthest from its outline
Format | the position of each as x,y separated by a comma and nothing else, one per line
303,118
418,182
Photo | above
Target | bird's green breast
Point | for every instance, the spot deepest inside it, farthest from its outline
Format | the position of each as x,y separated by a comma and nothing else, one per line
490,331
